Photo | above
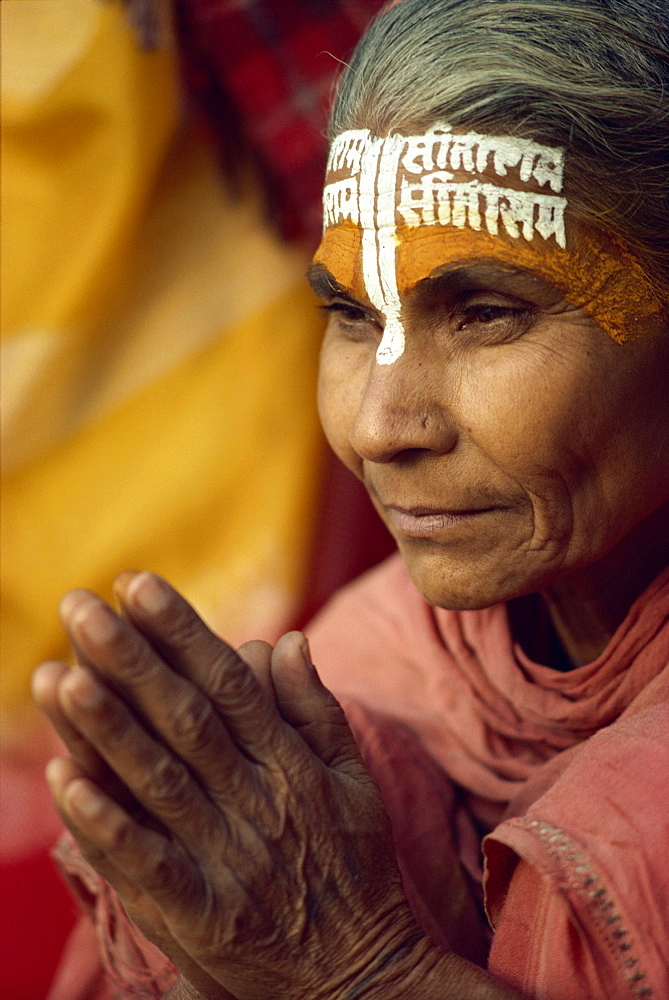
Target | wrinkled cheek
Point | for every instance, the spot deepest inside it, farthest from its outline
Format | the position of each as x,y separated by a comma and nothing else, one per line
552,519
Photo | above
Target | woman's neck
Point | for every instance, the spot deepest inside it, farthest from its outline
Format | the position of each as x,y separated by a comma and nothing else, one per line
589,605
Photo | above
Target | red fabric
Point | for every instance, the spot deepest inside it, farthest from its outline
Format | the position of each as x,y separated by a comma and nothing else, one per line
594,874
36,918
272,68
37,912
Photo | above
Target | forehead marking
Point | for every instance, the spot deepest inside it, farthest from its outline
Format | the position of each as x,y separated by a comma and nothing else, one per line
394,179
376,199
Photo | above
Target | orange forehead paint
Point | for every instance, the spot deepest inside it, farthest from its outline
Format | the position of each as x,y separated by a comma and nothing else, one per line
397,208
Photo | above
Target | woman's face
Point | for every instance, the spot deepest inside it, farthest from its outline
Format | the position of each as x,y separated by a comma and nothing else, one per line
504,437
512,442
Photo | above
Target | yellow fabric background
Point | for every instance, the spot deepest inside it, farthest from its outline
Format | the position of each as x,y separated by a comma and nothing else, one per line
159,349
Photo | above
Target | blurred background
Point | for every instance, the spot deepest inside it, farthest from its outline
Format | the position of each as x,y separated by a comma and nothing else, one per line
162,165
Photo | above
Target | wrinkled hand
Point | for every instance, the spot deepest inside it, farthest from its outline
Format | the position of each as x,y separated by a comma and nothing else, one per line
229,807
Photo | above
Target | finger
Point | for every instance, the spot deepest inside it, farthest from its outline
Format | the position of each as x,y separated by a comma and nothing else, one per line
310,707
258,656
171,624
157,779
170,706
44,686
45,683
80,651
145,864
59,773
104,831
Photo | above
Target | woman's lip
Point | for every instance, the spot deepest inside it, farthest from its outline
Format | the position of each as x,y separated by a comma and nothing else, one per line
425,521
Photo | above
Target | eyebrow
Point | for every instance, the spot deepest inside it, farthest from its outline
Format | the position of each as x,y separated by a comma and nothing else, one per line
324,284
449,279
484,275
481,272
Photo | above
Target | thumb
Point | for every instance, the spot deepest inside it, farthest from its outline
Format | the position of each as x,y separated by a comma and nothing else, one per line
310,707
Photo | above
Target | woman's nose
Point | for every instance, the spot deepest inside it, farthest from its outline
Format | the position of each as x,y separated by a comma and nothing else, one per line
401,410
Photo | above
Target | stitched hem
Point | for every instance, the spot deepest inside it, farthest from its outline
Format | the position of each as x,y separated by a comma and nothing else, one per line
580,878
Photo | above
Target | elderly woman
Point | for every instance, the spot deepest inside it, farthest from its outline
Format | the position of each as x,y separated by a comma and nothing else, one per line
496,371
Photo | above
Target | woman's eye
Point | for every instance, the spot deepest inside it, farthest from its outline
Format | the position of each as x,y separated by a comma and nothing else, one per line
486,314
496,320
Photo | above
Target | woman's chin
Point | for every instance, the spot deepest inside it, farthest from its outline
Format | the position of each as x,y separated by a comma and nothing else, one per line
461,584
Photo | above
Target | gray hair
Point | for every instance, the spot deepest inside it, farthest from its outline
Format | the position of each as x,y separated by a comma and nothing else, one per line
588,75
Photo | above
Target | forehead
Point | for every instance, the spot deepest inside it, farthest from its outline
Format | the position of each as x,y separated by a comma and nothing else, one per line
490,183
398,207
397,190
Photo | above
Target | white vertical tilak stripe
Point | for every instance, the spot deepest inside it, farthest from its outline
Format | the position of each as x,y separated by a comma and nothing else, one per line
393,341
379,163
367,215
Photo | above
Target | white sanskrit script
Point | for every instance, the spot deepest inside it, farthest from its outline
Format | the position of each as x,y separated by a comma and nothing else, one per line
411,181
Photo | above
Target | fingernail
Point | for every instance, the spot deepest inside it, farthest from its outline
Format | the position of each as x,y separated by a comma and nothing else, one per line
53,772
100,623
306,653
150,592
83,798
122,582
90,615
38,682
82,687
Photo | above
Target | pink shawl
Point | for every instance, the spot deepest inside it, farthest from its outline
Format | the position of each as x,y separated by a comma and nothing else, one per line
568,773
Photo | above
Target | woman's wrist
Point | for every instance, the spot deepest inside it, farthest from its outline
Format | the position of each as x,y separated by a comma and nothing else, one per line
420,970
184,990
